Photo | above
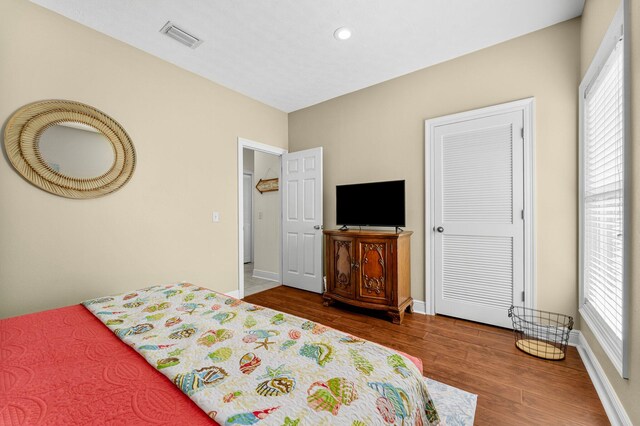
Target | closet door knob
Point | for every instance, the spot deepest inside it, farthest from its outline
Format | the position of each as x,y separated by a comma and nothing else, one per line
440,229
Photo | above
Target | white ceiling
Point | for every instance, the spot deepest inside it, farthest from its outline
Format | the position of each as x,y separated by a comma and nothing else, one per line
282,52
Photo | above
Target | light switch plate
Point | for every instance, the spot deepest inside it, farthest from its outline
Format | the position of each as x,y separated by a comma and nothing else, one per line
215,217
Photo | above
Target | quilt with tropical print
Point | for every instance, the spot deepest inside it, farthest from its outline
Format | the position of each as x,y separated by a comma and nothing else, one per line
244,364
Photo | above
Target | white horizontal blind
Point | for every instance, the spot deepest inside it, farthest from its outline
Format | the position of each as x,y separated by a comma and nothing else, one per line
603,197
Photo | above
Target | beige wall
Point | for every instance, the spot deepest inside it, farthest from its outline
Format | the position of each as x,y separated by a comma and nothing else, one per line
378,134
156,229
266,218
596,19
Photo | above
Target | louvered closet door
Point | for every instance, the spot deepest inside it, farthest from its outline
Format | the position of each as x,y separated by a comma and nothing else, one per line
478,235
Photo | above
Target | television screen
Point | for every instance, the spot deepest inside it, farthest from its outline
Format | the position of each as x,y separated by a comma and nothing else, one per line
371,204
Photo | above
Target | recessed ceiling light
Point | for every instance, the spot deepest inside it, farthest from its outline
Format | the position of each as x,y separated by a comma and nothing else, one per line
342,33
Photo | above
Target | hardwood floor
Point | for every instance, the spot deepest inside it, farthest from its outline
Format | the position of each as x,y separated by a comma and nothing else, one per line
513,388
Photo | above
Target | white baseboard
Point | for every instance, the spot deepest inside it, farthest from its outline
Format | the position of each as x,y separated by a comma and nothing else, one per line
233,293
574,338
612,405
266,275
419,307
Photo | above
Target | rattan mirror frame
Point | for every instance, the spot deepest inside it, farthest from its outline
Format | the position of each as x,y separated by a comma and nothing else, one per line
23,131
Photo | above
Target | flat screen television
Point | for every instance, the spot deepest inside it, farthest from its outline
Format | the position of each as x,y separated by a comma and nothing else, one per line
371,204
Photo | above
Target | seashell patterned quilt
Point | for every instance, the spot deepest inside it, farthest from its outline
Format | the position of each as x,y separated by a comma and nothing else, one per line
244,364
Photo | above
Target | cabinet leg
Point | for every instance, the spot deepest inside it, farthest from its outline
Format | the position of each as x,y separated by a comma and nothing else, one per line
410,308
327,301
396,316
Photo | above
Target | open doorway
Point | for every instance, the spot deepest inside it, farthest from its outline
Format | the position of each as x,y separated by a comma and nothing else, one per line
261,222
286,225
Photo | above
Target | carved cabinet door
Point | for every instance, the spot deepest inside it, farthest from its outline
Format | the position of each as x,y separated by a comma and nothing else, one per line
343,266
374,270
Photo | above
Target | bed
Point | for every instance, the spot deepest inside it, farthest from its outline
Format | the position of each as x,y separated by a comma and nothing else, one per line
239,362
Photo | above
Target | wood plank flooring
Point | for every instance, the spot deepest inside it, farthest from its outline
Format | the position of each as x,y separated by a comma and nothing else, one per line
513,388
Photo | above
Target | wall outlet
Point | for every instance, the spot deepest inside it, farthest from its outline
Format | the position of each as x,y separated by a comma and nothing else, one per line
215,217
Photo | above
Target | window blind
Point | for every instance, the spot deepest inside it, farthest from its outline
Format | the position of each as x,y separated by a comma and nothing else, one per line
603,197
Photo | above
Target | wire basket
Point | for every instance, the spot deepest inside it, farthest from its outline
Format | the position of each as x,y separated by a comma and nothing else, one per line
540,333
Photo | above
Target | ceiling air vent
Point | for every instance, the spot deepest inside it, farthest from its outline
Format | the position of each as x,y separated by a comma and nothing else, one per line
180,35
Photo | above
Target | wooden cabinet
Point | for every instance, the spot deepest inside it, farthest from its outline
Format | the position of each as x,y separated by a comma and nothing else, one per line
369,269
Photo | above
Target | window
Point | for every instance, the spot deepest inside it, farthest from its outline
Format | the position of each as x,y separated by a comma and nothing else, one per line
603,201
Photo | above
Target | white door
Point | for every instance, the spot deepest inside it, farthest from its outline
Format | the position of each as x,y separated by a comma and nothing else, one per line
478,217
302,219
247,218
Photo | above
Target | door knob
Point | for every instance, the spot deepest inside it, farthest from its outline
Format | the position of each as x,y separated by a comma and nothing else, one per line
440,229
317,227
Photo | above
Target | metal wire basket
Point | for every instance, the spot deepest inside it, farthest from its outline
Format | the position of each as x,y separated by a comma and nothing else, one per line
540,333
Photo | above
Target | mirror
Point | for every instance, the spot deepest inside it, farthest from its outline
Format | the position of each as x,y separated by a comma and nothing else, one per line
76,150
69,149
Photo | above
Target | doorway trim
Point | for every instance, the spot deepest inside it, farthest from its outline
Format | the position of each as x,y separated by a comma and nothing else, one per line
255,146
527,106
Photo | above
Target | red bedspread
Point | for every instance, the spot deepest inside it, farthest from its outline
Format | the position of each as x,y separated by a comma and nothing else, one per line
64,367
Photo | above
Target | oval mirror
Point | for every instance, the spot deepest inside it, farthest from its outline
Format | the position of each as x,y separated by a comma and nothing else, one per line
76,150
69,149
